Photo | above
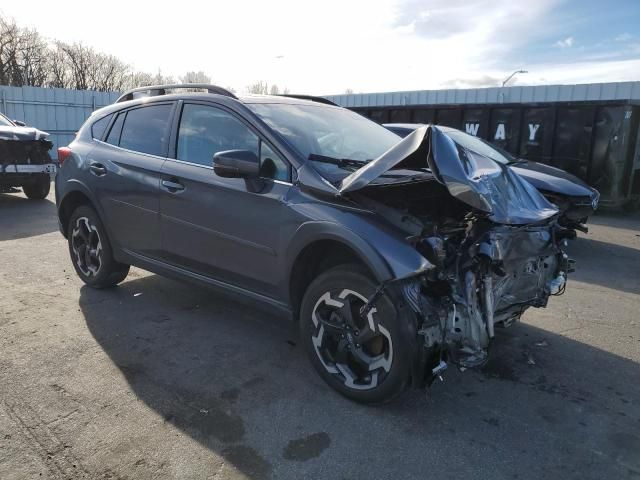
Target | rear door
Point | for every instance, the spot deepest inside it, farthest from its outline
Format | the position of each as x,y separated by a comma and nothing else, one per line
125,170
224,228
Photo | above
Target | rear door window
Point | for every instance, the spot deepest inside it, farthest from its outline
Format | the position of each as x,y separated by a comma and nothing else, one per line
114,134
146,129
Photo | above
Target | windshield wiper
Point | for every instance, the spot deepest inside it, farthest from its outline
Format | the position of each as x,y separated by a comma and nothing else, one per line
518,161
340,162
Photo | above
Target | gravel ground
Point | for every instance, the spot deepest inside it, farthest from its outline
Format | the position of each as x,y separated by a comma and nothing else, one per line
158,379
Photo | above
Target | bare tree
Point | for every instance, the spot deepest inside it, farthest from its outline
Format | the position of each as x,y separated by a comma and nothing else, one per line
80,61
262,88
108,73
26,58
137,79
9,38
195,77
59,75
258,87
32,59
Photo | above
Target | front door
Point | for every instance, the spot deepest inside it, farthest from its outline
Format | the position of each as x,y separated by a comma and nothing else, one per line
225,228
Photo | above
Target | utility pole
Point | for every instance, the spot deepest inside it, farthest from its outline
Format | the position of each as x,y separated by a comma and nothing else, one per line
513,75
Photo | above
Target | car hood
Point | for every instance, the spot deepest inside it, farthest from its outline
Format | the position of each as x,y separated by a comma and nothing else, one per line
551,179
21,134
476,180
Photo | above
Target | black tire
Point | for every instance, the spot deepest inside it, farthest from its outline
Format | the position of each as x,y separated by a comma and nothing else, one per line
348,373
94,263
38,189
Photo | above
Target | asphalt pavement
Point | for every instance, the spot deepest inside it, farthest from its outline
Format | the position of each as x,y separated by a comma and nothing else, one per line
159,379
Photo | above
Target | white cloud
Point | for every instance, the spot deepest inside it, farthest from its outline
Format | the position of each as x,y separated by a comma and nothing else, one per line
366,45
623,37
565,43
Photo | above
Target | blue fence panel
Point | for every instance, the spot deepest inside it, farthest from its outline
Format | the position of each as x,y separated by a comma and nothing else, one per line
58,111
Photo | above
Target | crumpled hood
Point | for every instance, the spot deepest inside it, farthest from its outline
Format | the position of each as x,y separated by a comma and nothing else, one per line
473,179
21,134
552,179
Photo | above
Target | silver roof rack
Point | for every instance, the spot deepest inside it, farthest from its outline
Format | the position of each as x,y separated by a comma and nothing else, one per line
155,90
311,98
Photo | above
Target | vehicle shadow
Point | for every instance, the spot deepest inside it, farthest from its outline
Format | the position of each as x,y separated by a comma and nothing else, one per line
607,264
233,378
22,218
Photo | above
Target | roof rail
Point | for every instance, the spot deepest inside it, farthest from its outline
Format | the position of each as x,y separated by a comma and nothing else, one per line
311,98
155,90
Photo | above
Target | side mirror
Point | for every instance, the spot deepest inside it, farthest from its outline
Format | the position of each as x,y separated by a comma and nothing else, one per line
20,123
236,164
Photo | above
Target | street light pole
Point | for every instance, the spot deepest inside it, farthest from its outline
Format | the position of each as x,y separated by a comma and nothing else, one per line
513,75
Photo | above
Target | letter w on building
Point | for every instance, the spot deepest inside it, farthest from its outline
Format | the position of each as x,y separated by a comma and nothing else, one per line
472,128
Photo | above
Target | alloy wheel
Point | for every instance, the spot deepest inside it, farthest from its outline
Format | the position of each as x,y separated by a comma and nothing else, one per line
358,351
87,247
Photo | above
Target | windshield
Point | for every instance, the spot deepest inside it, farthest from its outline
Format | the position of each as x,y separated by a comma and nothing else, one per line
5,122
479,146
327,131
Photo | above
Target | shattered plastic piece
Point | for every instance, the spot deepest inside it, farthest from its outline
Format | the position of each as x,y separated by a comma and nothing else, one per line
137,294
530,359
542,343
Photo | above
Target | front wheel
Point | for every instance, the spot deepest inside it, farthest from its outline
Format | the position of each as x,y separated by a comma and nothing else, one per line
91,251
365,359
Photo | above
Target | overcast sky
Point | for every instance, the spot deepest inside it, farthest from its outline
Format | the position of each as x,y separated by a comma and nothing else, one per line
327,46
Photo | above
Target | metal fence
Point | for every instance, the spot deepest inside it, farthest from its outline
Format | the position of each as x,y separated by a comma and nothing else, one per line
590,92
57,111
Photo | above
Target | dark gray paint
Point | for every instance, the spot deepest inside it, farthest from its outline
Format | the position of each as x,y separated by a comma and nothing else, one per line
240,235
237,234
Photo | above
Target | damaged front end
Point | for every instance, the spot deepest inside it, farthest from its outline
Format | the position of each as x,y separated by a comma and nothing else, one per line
493,243
24,151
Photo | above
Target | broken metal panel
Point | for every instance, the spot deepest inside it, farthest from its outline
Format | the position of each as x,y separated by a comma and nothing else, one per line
487,185
473,179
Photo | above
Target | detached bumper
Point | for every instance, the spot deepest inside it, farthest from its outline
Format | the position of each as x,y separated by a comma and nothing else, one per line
49,168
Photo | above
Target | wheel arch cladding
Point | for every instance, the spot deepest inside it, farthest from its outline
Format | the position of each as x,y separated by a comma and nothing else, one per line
318,246
69,203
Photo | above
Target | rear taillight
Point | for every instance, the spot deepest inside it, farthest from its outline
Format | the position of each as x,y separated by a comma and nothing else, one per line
63,154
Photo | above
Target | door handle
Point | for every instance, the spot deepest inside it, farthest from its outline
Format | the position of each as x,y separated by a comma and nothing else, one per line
98,169
172,185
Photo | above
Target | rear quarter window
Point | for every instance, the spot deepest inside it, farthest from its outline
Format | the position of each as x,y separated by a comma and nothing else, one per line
98,128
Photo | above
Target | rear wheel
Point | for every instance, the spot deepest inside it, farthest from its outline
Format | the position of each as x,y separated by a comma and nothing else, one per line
364,358
39,188
91,252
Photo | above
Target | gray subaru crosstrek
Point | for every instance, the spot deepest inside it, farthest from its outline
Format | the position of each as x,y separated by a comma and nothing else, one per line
396,256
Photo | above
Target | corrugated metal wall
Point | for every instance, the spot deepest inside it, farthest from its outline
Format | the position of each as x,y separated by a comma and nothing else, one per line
57,111
539,93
